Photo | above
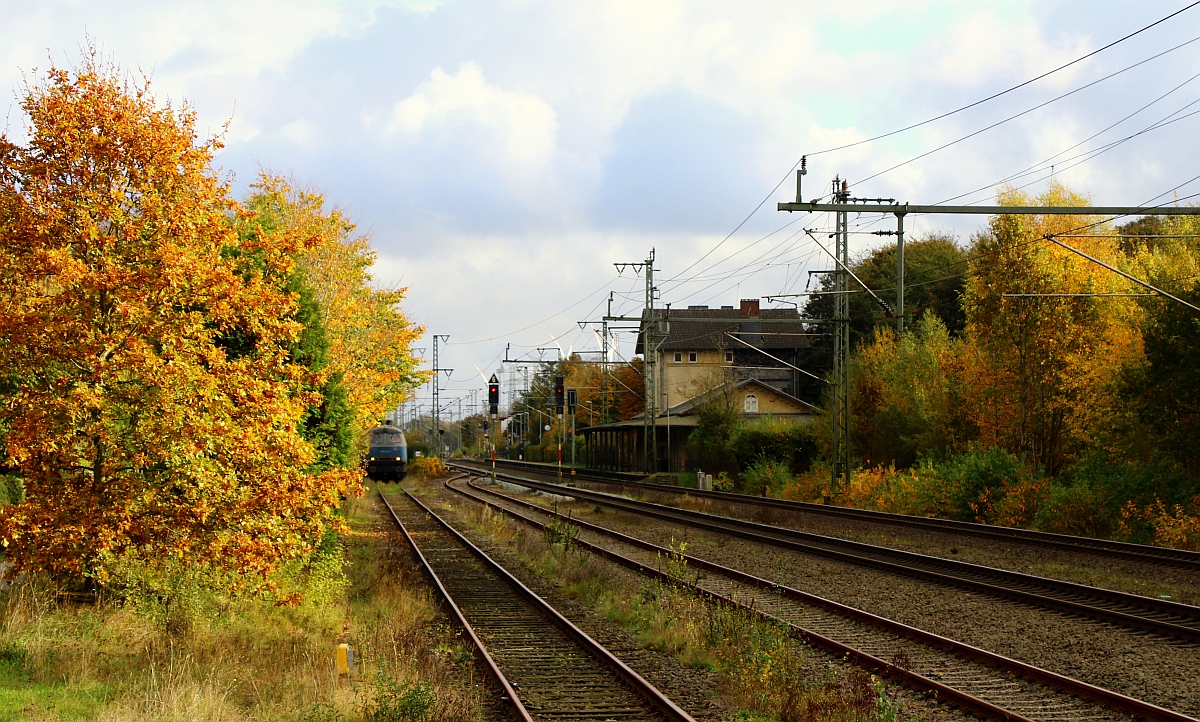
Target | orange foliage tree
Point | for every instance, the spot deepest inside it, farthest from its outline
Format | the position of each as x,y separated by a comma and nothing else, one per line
1041,371
147,390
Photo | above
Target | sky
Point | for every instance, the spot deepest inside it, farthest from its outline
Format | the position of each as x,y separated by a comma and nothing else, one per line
503,156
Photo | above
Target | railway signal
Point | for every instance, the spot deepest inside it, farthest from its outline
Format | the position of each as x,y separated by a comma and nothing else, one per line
572,396
493,410
558,409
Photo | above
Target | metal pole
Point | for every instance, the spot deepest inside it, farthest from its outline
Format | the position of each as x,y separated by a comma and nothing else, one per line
899,273
841,346
649,378
434,441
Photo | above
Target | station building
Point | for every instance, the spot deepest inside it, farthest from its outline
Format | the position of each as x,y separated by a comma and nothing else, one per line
744,357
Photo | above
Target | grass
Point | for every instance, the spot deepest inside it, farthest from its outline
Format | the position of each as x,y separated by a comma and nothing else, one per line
207,656
764,674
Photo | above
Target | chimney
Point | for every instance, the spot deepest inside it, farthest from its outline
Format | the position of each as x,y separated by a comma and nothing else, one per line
749,308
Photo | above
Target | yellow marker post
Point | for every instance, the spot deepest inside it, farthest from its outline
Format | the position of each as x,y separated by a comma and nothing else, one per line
345,660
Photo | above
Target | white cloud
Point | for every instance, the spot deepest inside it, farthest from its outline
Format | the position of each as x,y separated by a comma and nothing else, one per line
302,132
526,125
525,108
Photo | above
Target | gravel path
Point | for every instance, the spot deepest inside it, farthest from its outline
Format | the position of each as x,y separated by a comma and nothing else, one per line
1160,671
1178,584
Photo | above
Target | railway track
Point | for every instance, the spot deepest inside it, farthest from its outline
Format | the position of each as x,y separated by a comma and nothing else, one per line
1102,548
982,683
1171,619
547,667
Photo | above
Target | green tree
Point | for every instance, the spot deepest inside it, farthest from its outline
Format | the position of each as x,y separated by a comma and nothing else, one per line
1164,386
906,396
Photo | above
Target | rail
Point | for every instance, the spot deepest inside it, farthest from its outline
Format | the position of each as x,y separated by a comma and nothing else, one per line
525,626
985,660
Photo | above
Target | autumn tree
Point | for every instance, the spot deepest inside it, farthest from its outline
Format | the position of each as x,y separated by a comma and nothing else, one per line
934,269
1041,369
629,389
369,339
146,348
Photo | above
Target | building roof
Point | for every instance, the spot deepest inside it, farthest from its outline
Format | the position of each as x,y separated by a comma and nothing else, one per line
687,407
700,327
683,414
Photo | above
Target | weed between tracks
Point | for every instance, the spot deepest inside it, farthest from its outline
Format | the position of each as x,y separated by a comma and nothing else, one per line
193,655
763,673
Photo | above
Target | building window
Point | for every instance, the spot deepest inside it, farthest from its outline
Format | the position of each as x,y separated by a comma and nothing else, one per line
728,357
751,405
691,357
678,356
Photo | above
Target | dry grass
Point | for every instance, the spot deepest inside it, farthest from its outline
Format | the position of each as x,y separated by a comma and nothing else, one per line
212,657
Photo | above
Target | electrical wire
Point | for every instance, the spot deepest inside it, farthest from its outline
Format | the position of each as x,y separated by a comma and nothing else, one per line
1018,86
922,123
1027,111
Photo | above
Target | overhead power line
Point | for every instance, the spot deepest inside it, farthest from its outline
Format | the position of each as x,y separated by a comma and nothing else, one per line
788,174
1018,86
1027,111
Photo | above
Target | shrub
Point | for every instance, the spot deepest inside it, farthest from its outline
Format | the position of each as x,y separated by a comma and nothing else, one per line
1173,527
397,701
710,441
975,480
427,467
1077,509
985,485
766,476
788,442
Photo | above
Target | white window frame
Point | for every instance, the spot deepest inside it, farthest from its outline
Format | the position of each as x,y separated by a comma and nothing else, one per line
678,357
750,405
728,357
693,357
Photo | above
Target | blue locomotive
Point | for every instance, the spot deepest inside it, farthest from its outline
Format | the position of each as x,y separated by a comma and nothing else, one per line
387,453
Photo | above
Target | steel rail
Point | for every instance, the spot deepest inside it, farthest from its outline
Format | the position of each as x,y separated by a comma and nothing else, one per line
807,543
638,683
1082,545
1045,678
493,669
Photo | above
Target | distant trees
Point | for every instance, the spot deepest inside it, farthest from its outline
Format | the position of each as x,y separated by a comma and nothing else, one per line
935,267
1078,399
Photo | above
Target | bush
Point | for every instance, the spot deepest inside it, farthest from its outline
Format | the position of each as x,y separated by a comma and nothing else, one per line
975,480
1101,498
983,485
397,701
787,442
709,443
427,467
766,476
1077,509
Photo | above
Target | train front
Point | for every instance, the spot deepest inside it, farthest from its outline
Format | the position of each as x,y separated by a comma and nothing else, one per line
387,454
